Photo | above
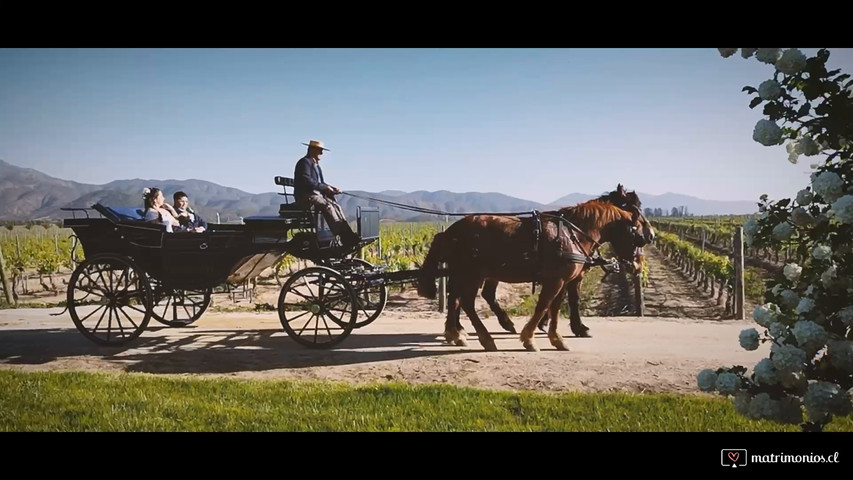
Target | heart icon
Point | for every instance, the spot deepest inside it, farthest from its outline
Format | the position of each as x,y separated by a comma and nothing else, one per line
734,456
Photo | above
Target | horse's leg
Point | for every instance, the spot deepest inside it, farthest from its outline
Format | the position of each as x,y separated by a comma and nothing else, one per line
550,289
488,294
558,300
469,294
453,332
555,338
578,328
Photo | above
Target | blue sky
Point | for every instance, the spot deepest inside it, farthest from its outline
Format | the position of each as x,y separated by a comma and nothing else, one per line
530,123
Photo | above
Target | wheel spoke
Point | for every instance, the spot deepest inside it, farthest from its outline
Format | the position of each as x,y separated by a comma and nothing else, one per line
92,313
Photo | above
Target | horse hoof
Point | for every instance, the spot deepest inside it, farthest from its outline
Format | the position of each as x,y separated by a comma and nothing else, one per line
461,342
531,347
561,346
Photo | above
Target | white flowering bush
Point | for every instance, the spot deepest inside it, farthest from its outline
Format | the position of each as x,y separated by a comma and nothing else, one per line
807,317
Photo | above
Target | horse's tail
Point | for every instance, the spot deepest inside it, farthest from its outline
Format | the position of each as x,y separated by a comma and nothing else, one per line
426,278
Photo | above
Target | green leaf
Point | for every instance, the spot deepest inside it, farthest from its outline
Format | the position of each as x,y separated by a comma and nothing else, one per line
755,101
749,89
841,78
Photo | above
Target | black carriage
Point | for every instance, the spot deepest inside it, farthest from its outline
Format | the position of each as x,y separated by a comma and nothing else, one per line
135,270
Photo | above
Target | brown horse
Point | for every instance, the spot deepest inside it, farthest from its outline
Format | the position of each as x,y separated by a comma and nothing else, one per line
629,201
543,248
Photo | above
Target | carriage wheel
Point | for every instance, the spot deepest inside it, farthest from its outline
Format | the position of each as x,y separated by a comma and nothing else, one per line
178,308
370,299
109,299
317,307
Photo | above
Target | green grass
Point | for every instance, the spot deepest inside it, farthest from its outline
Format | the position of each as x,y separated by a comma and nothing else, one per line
77,401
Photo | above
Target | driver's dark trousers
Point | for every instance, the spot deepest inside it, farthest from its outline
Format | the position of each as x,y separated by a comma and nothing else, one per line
334,216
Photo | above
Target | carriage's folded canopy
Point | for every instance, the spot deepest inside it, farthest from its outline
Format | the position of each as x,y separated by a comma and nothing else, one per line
126,213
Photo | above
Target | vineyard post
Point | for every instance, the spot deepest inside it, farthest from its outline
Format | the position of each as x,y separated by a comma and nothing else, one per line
6,291
442,289
638,294
738,264
703,238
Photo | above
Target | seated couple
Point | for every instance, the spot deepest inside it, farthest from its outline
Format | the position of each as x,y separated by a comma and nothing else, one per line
180,218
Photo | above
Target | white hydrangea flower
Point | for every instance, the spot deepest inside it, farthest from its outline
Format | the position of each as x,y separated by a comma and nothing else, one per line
727,383
748,52
822,399
827,278
769,90
822,252
805,197
842,209
802,218
765,372
767,133
840,354
846,315
806,146
778,330
783,231
791,62
765,314
748,339
750,227
810,336
828,185
768,55
809,291
707,380
788,358
727,52
762,406
792,272
789,298
805,306
741,403
793,157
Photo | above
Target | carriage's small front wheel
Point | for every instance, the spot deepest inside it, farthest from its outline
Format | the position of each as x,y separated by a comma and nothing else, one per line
317,307
370,298
178,308
109,299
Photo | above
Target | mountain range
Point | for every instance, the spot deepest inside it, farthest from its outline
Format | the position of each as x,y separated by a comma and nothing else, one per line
27,194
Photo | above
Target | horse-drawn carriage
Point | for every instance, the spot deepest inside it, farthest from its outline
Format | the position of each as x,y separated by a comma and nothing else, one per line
134,270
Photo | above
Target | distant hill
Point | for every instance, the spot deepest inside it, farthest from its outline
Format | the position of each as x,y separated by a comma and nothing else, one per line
27,194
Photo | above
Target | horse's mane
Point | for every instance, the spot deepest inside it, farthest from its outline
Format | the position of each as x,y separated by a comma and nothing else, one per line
594,213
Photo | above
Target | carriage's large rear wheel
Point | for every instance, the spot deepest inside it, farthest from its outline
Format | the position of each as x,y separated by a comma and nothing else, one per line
109,299
178,308
317,307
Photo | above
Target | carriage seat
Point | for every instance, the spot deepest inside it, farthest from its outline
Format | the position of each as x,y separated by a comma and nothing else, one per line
299,216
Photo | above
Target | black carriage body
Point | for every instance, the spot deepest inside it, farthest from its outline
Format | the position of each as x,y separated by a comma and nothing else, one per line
185,260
